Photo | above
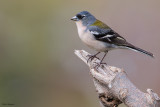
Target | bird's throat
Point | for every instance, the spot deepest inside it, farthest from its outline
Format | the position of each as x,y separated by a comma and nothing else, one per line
81,28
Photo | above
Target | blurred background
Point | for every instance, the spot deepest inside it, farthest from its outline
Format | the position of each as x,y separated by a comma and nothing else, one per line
38,67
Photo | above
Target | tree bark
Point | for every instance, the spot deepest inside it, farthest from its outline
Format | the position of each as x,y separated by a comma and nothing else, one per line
114,87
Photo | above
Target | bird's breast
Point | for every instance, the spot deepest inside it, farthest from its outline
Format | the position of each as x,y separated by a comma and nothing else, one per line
89,39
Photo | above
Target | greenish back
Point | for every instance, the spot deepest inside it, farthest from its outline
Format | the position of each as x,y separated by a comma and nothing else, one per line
100,24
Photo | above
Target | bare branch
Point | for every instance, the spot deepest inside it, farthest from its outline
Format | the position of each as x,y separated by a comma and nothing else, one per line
114,87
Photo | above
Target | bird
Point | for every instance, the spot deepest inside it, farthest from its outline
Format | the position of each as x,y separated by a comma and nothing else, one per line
100,37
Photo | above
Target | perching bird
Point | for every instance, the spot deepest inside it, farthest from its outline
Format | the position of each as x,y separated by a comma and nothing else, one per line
101,37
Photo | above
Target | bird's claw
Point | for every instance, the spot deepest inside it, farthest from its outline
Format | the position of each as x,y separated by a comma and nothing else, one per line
99,64
91,57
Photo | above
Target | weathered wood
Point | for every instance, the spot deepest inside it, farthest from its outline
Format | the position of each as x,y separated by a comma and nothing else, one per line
114,87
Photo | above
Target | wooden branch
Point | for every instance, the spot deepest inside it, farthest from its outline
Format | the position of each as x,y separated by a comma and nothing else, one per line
114,87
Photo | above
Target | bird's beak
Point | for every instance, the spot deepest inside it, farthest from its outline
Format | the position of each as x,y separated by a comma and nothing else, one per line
74,18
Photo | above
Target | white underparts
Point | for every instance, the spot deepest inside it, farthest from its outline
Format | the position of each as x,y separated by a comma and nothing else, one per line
88,38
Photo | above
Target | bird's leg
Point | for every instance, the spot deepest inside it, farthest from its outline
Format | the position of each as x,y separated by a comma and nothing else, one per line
103,58
98,64
92,56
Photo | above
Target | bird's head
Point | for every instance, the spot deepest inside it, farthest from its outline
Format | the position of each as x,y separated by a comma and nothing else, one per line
85,17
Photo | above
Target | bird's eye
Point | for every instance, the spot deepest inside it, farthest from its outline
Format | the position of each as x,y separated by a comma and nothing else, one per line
80,16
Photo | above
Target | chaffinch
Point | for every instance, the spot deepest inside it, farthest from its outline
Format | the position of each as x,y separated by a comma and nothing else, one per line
101,37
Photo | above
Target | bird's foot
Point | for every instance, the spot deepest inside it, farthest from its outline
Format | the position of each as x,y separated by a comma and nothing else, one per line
99,64
91,57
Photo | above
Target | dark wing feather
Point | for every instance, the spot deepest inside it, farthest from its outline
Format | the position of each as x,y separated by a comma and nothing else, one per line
107,35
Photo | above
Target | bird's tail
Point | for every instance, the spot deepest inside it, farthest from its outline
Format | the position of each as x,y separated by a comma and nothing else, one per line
130,46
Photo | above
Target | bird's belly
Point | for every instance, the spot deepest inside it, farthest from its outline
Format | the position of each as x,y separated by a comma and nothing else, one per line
90,41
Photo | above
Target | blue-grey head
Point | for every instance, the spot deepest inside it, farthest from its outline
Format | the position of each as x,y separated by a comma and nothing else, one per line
85,17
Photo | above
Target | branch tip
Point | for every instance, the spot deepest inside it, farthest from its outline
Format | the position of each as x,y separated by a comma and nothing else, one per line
114,87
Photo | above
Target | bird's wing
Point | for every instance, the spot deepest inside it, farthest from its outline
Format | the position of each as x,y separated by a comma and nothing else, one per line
106,34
